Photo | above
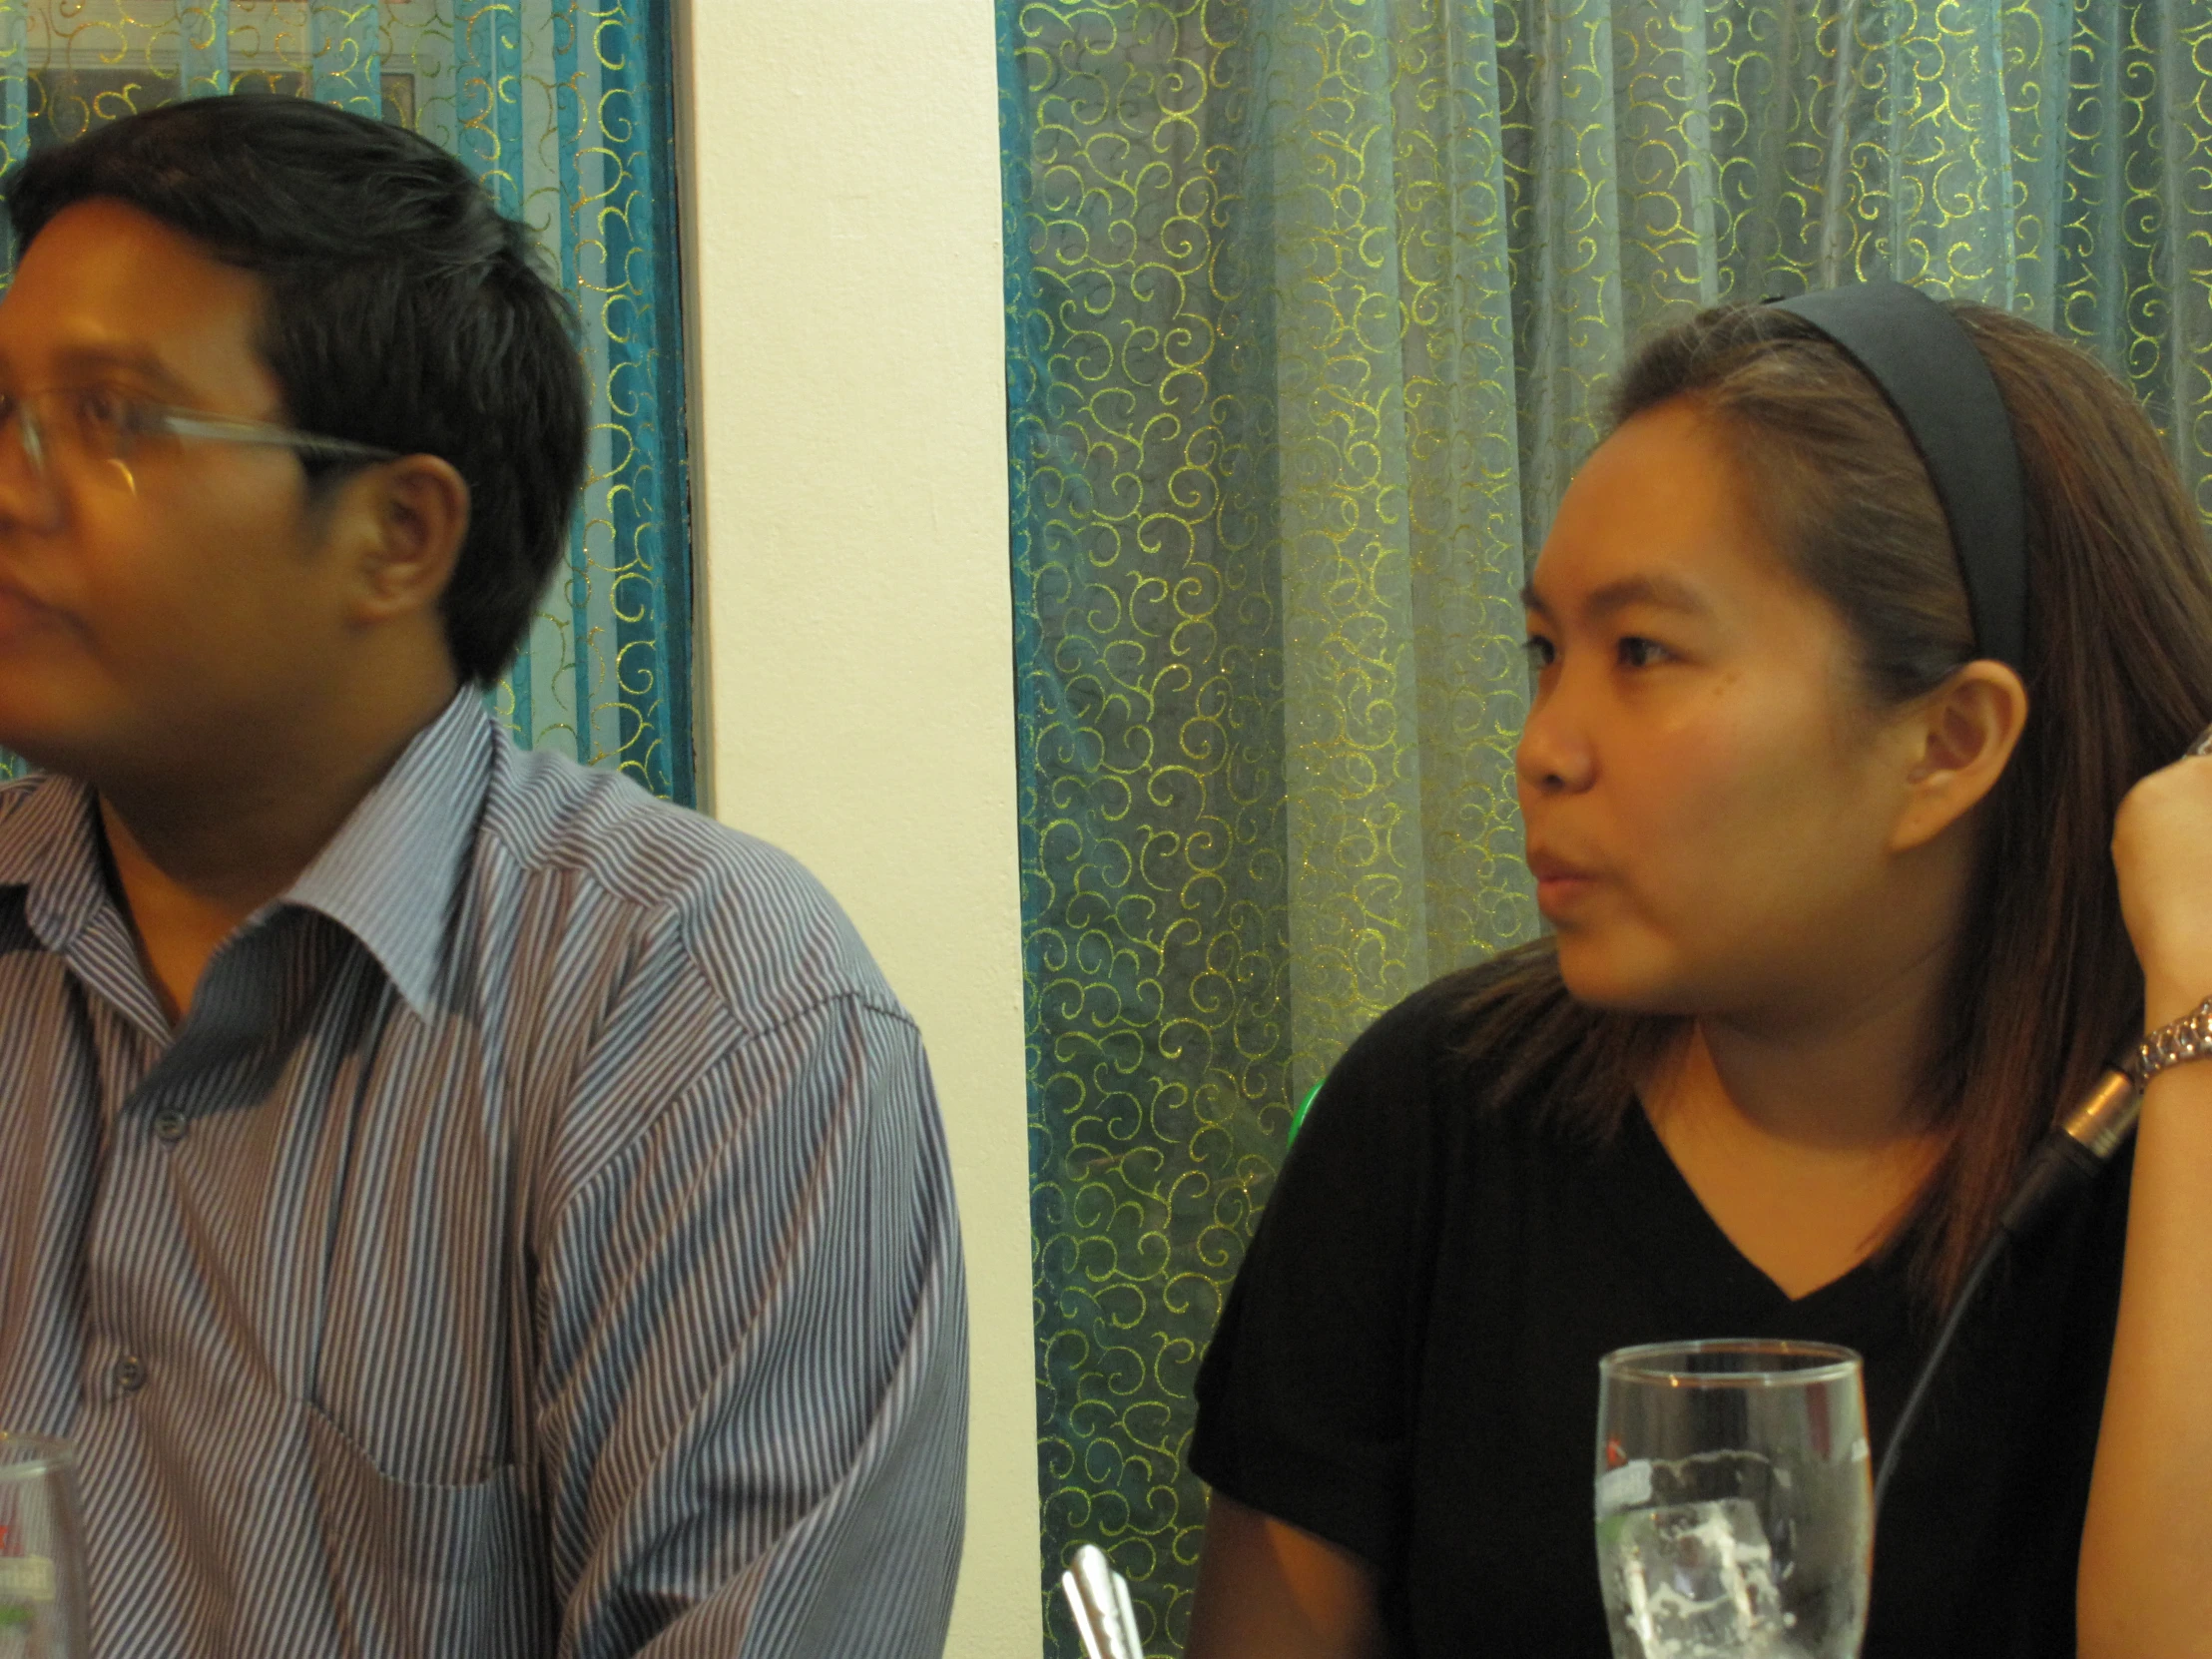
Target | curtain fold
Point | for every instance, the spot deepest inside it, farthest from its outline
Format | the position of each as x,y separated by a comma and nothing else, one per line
1312,307
563,109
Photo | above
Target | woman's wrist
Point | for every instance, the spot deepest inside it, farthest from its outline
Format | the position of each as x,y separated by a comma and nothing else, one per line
2172,994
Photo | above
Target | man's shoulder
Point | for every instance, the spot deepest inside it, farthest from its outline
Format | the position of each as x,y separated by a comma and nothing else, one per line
763,933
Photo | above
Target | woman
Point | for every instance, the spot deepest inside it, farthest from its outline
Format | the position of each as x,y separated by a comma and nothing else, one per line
1836,939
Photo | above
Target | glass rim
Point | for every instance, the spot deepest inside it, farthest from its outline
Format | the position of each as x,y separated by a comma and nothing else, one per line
44,1455
1646,1362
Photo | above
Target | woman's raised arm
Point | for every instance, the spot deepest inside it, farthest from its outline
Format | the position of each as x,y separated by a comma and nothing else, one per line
1267,1590
2147,1544
2146,1548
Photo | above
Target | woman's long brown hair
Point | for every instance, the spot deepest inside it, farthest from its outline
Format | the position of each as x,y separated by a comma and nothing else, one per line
2044,987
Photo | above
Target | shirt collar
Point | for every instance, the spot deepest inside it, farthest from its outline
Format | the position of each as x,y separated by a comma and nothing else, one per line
47,850
388,876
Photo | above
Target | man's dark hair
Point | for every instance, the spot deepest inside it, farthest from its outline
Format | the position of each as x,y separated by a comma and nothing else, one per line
403,310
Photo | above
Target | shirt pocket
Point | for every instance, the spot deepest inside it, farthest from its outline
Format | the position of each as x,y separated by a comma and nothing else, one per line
426,1568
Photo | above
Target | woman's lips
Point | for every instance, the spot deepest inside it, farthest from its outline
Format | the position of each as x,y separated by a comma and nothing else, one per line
1556,893
1558,882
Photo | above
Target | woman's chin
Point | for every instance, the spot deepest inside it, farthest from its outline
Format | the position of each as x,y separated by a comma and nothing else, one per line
1603,973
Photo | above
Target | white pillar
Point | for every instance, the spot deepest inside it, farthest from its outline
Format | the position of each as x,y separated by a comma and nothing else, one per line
846,378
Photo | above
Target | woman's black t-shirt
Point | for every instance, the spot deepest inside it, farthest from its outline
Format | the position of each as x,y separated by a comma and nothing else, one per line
1407,1366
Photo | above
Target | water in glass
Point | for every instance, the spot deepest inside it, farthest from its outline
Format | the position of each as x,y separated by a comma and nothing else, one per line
1735,1505
42,1577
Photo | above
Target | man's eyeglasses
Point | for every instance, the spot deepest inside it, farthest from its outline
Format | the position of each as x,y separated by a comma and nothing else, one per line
71,426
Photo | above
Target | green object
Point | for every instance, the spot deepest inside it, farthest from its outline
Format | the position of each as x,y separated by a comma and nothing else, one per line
1311,309
1298,1118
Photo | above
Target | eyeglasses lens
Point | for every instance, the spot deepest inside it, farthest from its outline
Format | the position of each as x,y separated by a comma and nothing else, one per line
70,425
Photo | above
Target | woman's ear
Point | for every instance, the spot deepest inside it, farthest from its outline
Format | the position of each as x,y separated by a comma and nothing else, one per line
1958,740
408,518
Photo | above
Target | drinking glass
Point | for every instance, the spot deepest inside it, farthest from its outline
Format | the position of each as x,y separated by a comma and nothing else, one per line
1735,1509
42,1553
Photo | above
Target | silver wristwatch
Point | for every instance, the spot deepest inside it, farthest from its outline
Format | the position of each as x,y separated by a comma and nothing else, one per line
2187,1038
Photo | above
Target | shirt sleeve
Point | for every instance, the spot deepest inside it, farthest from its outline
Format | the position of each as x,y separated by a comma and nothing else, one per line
1305,1395
750,1400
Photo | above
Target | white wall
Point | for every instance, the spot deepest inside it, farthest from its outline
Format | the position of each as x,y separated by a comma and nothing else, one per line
849,448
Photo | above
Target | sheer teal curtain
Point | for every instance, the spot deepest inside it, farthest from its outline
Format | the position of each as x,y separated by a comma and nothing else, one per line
1311,309
563,107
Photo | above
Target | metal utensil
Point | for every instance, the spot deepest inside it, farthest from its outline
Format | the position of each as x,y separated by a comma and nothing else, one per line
1098,1598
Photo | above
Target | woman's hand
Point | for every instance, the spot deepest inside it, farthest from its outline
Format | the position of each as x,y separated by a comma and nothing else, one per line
2162,849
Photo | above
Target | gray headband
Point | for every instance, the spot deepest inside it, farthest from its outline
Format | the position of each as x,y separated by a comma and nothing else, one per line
1940,387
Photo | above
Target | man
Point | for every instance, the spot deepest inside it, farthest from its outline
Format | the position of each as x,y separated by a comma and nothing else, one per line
455,1203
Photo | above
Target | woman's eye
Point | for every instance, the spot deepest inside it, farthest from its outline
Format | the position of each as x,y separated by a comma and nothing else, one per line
1638,652
1540,653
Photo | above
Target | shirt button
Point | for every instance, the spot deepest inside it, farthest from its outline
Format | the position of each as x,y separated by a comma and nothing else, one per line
130,1376
171,1125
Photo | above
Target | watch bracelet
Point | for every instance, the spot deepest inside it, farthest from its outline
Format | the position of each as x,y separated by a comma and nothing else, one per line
2187,1038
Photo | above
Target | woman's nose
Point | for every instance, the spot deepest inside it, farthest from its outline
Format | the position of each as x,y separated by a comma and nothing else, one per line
1554,755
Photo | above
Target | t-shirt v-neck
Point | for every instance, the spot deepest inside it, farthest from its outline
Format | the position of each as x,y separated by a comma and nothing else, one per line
1406,1366
1660,1221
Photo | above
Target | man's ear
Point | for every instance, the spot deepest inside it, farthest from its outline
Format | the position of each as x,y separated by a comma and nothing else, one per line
1958,740
403,525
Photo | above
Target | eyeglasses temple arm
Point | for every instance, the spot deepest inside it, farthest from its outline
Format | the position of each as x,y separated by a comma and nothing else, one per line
279,437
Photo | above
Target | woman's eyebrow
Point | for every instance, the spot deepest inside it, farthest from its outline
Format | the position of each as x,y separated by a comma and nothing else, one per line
1664,592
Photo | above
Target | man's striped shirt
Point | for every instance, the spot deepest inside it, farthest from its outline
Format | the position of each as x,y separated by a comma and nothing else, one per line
538,1239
